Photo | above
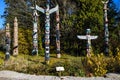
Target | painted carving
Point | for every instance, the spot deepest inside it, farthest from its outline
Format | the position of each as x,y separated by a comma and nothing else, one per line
8,42
106,27
88,37
15,43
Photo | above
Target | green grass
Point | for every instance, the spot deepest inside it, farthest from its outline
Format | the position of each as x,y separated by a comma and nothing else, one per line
74,66
36,64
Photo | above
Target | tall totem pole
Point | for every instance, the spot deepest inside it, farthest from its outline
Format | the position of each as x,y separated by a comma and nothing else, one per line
35,30
88,37
47,13
106,27
8,41
58,34
15,39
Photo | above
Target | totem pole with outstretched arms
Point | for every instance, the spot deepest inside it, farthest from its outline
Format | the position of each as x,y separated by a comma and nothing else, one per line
88,37
47,13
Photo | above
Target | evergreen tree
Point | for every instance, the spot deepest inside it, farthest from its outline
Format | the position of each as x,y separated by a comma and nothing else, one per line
75,17
114,27
20,9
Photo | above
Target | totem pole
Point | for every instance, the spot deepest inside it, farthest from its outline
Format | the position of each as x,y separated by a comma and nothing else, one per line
8,41
15,39
106,27
47,13
35,31
58,34
88,37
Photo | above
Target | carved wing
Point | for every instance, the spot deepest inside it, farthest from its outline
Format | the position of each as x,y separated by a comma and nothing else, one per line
40,9
81,37
32,7
105,2
53,9
93,37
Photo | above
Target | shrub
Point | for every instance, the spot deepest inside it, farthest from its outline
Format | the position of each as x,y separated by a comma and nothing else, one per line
113,63
95,65
72,67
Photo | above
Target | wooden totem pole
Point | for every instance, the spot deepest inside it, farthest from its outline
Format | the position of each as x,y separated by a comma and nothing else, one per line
106,27
35,30
58,34
88,37
8,41
47,13
15,39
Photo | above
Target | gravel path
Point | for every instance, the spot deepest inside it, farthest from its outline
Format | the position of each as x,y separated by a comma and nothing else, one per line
11,75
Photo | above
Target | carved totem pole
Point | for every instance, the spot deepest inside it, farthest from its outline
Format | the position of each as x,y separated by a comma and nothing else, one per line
58,34
106,27
88,37
35,31
47,13
8,41
15,39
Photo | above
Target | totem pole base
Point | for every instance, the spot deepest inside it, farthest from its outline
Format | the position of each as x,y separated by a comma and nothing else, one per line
15,55
88,55
106,51
7,57
34,52
58,55
47,62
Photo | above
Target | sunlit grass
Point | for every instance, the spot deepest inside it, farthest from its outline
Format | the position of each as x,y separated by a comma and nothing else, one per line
74,66
27,59
22,62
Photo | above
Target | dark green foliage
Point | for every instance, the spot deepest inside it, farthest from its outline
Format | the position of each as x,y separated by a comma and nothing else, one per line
2,40
75,17
25,40
19,9
72,67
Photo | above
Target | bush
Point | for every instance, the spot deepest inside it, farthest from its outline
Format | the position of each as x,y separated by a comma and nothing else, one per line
114,63
95,65
72,67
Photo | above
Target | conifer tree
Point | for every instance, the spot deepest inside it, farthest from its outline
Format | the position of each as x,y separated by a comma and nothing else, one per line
75,17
